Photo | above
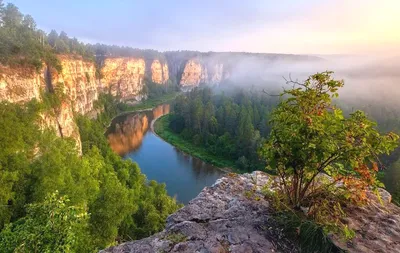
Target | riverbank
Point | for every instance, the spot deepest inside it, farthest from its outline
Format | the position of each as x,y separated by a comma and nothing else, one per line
160,127
145,105
150,103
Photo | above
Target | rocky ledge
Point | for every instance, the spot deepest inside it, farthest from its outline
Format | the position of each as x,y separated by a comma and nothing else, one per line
233,216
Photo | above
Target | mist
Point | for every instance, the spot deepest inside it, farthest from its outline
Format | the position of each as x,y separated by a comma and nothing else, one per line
370,81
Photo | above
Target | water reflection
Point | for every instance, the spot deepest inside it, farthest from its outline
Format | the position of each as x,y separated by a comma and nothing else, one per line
128,131
185,176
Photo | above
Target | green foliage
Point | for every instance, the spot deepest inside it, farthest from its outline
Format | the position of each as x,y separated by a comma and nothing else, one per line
162,128
17,141
228,127
49,226
311,236
148,103
176,238
121,203
310,135
154,90
62,44
21,43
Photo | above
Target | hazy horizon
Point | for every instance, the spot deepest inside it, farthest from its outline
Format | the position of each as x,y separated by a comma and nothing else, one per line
289,27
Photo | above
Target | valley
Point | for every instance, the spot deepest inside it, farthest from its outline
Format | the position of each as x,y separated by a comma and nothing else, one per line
112,148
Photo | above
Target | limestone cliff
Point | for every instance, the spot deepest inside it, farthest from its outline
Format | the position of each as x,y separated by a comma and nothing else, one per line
79,79
165,72
159,72
193,74
124,77
196,72
22,85
233,216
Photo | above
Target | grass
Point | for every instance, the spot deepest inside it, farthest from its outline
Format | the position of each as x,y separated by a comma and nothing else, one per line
161,127
152,102
310,236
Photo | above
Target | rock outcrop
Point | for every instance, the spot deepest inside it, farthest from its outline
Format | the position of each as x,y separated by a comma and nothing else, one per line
196,72
159,72
22,85
124,77
193,74
233,216
19,86
80,83
216,73
220,219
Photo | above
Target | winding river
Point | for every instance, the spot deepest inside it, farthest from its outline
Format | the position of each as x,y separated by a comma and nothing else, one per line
130,136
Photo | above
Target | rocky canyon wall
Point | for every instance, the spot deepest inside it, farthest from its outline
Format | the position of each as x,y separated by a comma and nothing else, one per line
22,85
159,72
124,77
80,83
196,72
121,76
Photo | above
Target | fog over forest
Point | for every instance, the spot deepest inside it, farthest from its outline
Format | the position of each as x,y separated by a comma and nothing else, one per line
369,80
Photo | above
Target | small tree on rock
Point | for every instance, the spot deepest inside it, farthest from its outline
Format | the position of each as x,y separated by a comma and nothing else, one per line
311,136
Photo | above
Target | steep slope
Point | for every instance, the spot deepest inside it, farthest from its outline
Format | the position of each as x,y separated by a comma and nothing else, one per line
159,72
79,79
124,77
22,85
18,86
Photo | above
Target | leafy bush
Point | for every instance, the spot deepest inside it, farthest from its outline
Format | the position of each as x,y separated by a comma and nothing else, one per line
49,226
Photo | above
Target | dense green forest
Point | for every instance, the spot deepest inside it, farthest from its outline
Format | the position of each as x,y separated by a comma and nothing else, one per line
231,126
42,175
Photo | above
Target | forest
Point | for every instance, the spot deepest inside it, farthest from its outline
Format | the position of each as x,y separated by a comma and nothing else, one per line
230,126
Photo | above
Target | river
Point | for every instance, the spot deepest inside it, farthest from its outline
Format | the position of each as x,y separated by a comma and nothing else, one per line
131,137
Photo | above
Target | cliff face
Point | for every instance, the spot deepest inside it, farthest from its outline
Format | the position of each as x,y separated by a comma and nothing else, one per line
23,85
80,84
18,86
159,72
233,216
166,72
193,74
196,72
121,76
124,77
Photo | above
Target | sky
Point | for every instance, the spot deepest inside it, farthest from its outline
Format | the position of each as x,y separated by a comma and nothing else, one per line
266,26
